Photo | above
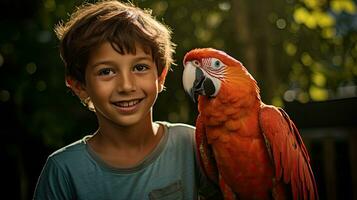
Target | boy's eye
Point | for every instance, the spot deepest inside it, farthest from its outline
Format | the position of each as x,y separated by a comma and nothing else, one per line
105,72
140,67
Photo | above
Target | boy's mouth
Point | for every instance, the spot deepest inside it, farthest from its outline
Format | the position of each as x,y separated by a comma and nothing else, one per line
127,104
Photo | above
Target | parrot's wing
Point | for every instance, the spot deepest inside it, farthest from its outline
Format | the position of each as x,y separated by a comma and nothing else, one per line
288,152
205,153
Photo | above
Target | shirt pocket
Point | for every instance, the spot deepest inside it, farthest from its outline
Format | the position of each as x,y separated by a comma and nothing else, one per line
173,191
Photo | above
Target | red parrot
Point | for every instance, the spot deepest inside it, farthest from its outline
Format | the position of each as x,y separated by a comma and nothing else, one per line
250,149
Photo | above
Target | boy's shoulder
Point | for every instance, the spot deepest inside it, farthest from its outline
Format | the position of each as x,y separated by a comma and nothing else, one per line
181,128
70,152
179,132
176,125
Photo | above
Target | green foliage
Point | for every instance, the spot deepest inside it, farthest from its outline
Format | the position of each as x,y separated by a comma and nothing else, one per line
32,78
297,50
325,49
303,50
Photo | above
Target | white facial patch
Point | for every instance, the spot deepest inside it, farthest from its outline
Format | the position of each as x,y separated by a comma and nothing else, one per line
188,77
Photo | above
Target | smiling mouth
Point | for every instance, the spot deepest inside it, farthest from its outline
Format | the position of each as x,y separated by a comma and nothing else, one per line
127,104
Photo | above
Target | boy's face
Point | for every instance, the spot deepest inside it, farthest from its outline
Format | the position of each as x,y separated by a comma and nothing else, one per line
122,88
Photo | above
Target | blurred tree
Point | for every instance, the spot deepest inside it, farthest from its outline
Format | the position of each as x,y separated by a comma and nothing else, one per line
303,50
323,50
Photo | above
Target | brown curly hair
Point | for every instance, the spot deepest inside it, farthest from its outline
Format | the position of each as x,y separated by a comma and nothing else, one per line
120,24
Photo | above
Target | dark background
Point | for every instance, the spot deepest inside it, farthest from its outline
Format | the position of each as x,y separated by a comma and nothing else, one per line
302,53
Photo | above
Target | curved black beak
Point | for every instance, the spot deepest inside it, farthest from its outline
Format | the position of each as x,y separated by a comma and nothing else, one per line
201,86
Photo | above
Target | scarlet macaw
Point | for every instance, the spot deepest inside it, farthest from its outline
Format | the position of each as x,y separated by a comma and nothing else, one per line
250,149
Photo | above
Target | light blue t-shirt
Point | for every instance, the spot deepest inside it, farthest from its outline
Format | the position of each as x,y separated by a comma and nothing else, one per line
169,172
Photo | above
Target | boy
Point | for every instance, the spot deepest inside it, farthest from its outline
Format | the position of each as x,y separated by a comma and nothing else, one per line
116,58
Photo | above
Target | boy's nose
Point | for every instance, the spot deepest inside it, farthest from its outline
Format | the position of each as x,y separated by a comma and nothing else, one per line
126,83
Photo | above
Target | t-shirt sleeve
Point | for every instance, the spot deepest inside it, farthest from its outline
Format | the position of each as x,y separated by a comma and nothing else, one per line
53,183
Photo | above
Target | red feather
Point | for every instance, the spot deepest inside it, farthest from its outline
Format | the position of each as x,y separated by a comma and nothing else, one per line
288,147
206,157
252,150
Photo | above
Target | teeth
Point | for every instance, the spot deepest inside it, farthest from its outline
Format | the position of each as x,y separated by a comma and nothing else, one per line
127,103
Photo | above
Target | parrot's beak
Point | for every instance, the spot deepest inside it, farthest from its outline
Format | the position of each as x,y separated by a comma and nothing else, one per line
196,82
197,88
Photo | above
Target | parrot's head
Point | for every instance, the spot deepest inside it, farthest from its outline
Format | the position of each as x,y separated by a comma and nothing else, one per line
207,71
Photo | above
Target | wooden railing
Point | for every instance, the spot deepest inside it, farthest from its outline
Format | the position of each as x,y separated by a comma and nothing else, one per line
329,131
333,153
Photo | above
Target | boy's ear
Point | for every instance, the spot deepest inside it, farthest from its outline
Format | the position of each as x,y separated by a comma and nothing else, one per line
77,87
161,87
162,78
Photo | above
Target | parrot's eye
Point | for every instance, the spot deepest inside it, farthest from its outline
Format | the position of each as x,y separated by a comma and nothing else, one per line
196,63
216,63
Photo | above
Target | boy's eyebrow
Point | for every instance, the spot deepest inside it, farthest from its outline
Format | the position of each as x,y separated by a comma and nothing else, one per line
144,57
110,62
101,62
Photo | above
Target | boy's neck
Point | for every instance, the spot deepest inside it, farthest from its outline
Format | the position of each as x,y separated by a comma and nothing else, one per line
126,136
126,146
